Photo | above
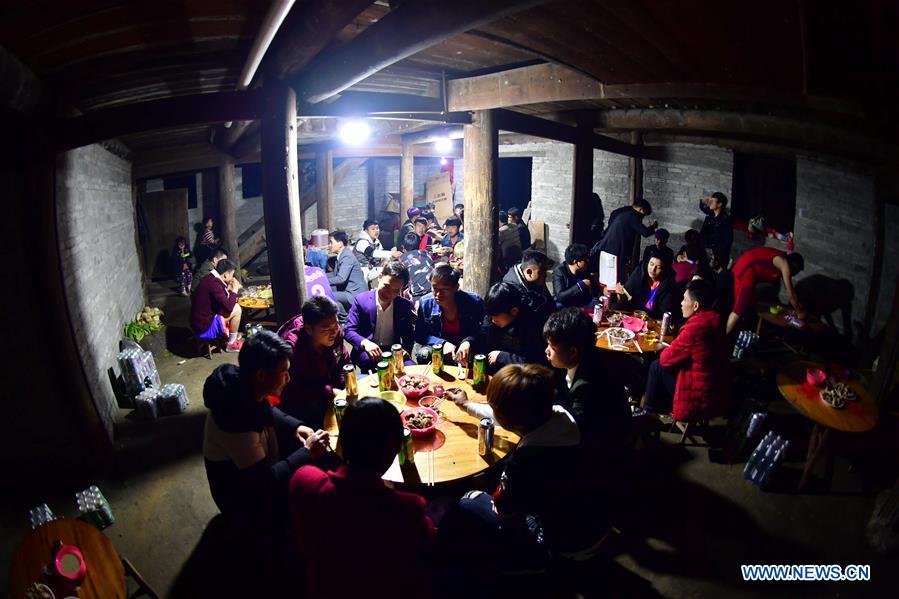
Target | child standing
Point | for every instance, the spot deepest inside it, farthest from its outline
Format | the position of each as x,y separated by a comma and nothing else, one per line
183,260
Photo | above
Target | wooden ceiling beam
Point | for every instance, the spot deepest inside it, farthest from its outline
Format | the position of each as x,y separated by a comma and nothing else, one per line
410,28
516,122
138,117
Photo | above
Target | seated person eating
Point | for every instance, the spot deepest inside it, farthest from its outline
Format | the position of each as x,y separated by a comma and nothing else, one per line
448,316
380,318
316,365
651,291
214,311
510,333
572,284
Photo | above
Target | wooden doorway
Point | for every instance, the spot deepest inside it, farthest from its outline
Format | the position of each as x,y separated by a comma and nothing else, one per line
165,219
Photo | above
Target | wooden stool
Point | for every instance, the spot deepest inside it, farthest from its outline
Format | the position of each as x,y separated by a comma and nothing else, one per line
143,588
685,428
204,347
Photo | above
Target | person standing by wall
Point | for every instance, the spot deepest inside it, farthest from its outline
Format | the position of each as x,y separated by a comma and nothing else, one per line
624,225
717,232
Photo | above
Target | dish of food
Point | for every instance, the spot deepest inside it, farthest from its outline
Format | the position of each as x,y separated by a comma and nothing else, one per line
420,421
837,394
618,334
615,319
414,386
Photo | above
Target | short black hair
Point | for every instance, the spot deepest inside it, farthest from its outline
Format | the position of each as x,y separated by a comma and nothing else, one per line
411,241
220,253
397,269
318,308
453,221
262,351
420,219
371,433
180,240
662,235
693,252
340,237
644,204
575,252
459,206
501,298
224,266
796,262
429,216
369,222
513,211
446,273
535,257
721,198
701,291
655,253
570,327
503,215
691,237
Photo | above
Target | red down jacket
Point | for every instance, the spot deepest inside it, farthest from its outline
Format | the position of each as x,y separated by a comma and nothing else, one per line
699,354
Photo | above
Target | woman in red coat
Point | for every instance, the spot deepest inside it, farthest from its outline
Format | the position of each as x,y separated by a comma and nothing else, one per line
690,380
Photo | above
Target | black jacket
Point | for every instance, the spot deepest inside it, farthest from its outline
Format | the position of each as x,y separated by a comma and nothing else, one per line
625,224
256,494
519,343
717,232
664,252
638,286
566,288
537,298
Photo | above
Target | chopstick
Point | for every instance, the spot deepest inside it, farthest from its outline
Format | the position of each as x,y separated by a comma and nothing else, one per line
637,345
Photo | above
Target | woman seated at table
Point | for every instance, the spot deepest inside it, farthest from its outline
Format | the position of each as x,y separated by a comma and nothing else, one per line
691,378
541,503
380,318
449,317
511,332
316,366
352,508
652,291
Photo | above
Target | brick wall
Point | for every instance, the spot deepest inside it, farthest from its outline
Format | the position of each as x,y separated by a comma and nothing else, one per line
890,268
611,180
98,250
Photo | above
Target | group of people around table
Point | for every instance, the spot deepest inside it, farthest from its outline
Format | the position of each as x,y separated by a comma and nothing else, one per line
269,461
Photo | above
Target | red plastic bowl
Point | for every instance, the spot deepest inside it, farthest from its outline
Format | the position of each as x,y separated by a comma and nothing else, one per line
413,394
421,432
815,376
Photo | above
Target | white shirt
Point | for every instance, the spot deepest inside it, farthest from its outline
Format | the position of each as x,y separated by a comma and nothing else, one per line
363,241
383,323
569,376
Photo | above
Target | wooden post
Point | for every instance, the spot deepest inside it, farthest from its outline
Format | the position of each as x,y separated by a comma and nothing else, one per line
281,199
582,209
480,150
407,180
324,180
227,210
889,353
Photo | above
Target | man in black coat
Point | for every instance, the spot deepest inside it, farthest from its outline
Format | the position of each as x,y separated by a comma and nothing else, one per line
510,333
572,284
624,225
530,276
717,232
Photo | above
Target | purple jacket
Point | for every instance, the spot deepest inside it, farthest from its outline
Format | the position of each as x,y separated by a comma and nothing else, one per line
360,322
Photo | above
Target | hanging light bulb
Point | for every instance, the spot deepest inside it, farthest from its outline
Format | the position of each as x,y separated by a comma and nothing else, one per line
354,133
442,161
443,145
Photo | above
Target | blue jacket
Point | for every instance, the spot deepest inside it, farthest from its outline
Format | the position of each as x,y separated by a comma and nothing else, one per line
361,320
429,325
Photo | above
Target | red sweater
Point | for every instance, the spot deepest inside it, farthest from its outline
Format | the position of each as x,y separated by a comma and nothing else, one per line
699,353
210,298
358,537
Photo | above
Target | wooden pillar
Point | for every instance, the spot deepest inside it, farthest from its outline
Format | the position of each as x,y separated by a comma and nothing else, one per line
582,208
228,209
889,353
281,199
407,180
324,181
480,149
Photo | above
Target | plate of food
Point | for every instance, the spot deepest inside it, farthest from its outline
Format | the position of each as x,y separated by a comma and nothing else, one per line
614,319
421,422
414,386
836,395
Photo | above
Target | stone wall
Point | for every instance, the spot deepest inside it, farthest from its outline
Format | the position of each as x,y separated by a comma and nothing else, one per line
101,261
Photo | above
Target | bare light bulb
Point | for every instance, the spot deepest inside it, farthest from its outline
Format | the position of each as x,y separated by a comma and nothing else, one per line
354,133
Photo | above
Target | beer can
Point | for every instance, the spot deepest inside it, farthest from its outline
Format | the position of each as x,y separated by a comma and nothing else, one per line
349,382
666,324
437,358
407,449
383,376
485,436
480,369
755,424
387,356
339,409
398,359
597,314
463,372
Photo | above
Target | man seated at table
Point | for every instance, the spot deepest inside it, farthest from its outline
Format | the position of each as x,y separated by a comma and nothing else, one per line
652,291
453,236
542,504
316,366
594,389
691,379
420,265
208,266
214,311
659,248
572,284
353,504
409,225
510,333
369,251
250,448
530,276
723,282
380,318
447,316
762,265
347,279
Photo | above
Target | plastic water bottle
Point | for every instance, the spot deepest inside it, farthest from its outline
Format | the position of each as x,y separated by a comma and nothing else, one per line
761,466
772,467
757,454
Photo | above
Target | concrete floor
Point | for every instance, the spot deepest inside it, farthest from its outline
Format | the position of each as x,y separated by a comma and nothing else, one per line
691,524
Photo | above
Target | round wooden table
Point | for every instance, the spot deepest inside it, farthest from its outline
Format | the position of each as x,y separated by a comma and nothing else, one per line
780,320
857,417
453,448
630,347
105,578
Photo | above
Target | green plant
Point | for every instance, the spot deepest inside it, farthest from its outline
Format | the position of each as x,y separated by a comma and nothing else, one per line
148,320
